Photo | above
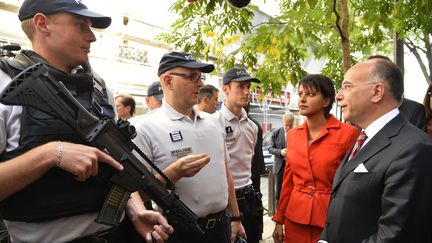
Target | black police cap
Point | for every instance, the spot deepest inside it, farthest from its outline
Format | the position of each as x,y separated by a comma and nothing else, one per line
182,59
238,75
155,89
30,8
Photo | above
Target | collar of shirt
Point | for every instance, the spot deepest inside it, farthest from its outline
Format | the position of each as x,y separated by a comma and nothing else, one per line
378,124
78,69
331,123
175,115
231,116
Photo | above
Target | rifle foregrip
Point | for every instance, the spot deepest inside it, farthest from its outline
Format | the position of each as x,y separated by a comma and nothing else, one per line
183,218
113,206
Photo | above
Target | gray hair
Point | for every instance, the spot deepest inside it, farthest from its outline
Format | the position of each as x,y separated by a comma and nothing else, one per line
288,116
207,91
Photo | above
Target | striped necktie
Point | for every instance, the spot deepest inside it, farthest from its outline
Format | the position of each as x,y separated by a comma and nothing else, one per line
360,140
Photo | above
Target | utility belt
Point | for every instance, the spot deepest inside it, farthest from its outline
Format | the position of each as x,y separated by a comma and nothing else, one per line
99,237
212,220
247,192
250,204
125,232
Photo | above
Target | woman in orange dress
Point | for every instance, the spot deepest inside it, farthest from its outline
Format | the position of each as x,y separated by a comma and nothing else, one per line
314,151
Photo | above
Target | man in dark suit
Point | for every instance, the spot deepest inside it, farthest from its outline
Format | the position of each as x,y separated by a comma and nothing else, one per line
258,163
278,149
258,168
414,112
382,193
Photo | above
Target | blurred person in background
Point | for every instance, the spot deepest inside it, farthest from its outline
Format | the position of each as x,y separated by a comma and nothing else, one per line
153,99
154,96
125,105
278,149
314,151
208,98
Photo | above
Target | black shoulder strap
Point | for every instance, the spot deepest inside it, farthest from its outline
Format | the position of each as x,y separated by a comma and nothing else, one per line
8,69
101,99
99,84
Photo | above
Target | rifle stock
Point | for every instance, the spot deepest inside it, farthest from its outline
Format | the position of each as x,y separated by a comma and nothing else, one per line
36,88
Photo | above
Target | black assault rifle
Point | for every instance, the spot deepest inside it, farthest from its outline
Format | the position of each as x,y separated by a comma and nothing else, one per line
36,88
8,50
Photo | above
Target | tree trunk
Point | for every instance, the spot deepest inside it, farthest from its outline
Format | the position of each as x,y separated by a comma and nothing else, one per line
428,48
345,35
415,51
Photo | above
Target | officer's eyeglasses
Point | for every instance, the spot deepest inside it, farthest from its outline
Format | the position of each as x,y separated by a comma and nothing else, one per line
194,77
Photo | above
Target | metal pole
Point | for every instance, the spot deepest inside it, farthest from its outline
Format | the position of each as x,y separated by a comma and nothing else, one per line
271,202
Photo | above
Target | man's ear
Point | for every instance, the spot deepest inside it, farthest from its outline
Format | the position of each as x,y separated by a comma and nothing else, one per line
225,89
378,92
166,81
41,23
205,99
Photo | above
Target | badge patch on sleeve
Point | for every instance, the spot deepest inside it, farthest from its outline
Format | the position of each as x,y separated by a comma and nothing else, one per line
176,136
181,152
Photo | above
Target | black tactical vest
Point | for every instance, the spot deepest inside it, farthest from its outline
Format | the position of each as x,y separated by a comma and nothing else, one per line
56,194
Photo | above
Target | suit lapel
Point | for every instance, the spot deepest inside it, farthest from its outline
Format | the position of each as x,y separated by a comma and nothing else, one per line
282,135
379,142
337,178
374,146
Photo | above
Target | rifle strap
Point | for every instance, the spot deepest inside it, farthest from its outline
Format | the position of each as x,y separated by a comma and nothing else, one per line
5,67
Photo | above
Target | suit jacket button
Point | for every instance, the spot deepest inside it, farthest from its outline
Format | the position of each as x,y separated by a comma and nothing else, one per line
327,223
333,195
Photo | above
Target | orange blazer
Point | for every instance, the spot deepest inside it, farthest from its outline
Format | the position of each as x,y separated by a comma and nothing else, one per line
310,169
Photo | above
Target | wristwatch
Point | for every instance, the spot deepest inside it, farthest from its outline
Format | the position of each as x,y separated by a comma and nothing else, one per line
237,218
